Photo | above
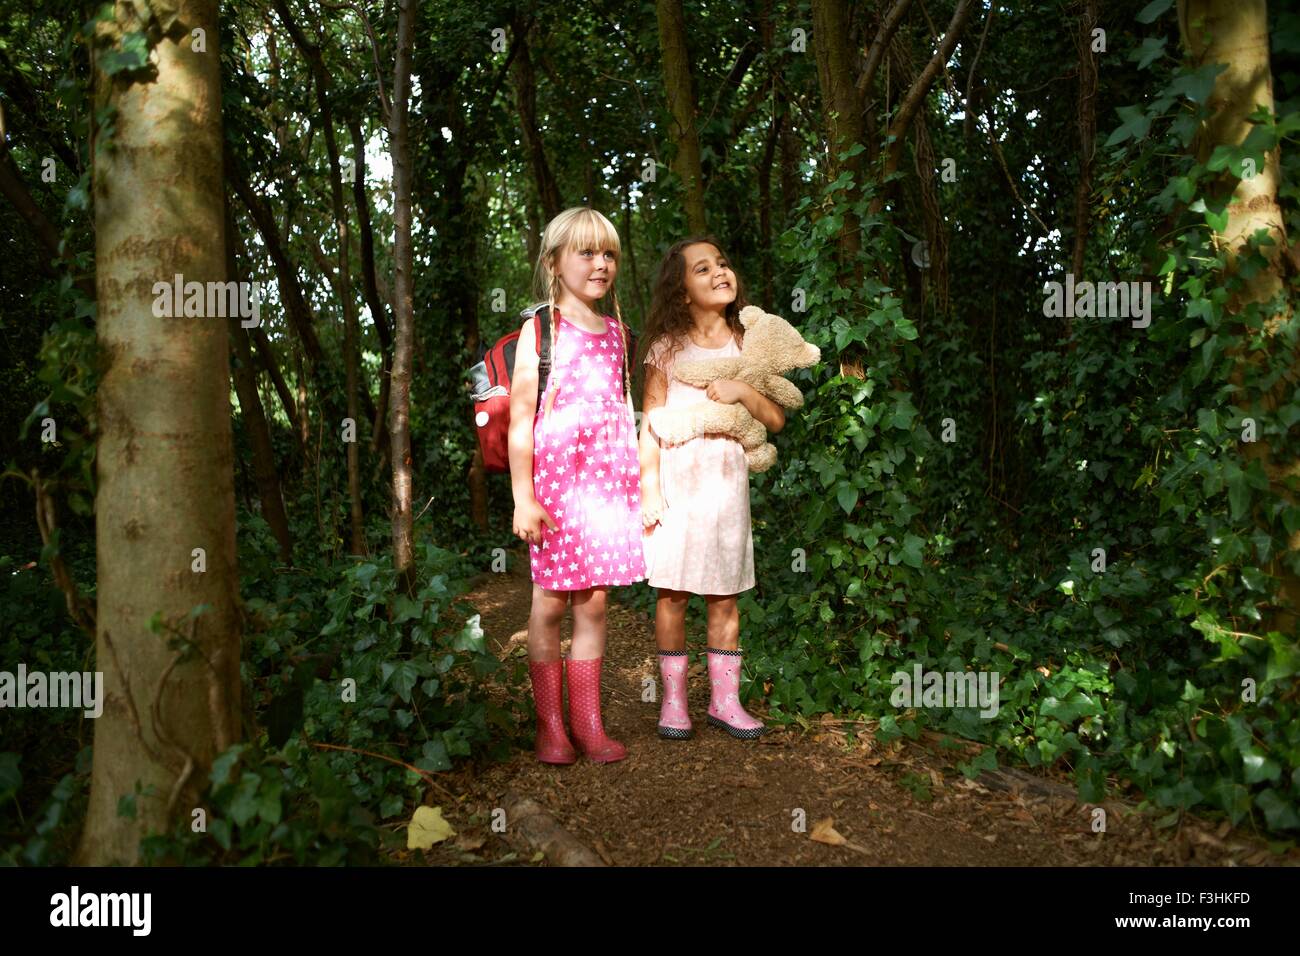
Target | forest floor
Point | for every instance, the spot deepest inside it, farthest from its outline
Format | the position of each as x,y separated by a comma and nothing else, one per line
713,800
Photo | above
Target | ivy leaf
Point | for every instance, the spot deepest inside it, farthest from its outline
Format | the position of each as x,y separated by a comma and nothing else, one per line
911,552
1283,656
1278,810
1218,221
1255,579
219,829
245,804
132,54
1259,767
1197,84
10,776
847,496
224,763
1136,124
1152,10
434,756
470,637
407,609
1106,616
1152,49
364,573
1076,705
1238,494
404,679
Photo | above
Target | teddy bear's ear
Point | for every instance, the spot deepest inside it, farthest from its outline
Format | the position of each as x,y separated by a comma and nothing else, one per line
749,314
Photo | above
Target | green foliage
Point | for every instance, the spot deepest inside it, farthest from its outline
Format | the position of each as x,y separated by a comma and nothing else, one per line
421,698
1159,670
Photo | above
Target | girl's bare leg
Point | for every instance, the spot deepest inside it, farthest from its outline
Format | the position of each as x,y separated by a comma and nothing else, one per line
723,621
544,624
588,624
670,620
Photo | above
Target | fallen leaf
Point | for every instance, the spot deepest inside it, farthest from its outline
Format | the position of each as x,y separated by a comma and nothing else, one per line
427,827
468,841
824,831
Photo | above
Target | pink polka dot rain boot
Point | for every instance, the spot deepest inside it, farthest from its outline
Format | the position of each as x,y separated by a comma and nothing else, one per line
584,713
674,718
724,704
552,744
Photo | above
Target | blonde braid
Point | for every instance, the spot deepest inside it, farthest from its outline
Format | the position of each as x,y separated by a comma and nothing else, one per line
553,324
618,315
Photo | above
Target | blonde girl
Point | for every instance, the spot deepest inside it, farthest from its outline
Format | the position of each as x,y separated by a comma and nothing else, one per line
575,476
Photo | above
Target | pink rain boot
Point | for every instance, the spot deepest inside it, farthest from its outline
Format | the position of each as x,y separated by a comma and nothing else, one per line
674,719
552,744
584,713
724,704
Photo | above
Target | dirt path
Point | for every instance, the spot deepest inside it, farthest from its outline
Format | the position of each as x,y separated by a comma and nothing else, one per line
714,800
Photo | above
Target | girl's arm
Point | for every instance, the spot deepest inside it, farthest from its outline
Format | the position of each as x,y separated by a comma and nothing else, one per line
529,514
523,407
654,395
765,411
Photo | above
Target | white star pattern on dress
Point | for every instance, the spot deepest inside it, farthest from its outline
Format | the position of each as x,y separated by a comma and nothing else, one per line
590,439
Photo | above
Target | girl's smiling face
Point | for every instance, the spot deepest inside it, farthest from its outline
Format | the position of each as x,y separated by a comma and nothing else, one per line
586,272
710,282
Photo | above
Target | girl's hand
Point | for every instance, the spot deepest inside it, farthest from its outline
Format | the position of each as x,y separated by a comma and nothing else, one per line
531,520
727,390
652,508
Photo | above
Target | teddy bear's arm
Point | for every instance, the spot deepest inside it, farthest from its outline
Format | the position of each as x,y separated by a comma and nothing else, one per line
701,372
782,391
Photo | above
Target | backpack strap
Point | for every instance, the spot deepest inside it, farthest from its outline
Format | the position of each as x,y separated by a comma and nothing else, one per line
542,345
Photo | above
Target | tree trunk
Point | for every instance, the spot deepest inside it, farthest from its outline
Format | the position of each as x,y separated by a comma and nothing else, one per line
165,465
399,415
841,103
266,353
765,209
321,85
291,293
548,191
1235,32
378,314
912,101
1087,119
681,104
250,404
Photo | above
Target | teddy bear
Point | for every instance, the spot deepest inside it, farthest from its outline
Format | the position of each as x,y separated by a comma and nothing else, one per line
772,347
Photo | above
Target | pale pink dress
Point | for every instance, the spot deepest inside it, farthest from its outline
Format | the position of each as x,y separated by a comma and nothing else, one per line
703,543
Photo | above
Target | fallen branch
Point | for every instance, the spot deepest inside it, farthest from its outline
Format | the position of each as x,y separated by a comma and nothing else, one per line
424,774
531,821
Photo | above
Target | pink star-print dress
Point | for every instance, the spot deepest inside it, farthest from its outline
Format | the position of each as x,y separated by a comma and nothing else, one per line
586,472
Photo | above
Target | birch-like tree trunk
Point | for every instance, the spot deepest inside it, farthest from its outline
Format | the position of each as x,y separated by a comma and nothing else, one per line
164,465
1235,32
399,413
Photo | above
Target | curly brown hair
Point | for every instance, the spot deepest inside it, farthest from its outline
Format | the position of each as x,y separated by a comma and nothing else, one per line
670,316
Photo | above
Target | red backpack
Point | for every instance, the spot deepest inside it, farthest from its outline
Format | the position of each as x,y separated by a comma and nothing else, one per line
491,388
